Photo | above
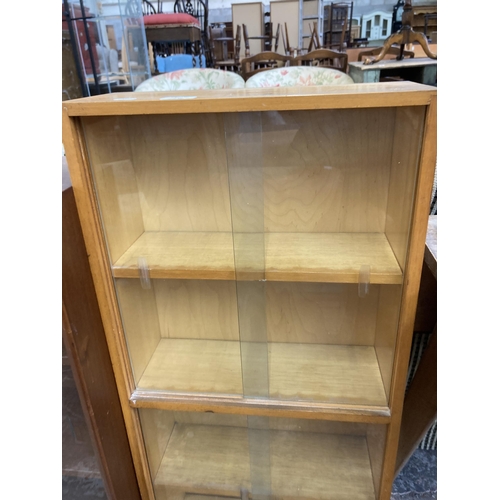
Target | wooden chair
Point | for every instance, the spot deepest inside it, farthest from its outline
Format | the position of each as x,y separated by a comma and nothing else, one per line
268,33
323,58
267,39
227,64
286,41
392,51
199,10
314,42
289,50
146,8
335,34
277,38
246,40
263,62
268,44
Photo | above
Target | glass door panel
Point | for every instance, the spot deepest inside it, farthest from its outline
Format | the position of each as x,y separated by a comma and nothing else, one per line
206,455
260,254
162,187
321,206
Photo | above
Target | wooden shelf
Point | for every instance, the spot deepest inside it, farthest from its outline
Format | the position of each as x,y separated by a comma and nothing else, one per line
330,257
215,460
309,372
182,255
313,257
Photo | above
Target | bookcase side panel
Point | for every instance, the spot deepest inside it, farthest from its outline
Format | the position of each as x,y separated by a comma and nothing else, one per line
404,167
140,322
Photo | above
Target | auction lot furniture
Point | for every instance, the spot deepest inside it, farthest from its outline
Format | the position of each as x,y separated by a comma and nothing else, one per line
257,255
417,69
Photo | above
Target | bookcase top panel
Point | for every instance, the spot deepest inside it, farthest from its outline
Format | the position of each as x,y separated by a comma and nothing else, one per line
366,95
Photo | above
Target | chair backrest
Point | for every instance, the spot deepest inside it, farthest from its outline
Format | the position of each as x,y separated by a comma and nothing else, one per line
314,42
263,61
237,45
246,40
211,45
323,58
277,39
286,41
192,79
135,8
237,48
268,43
298,76
197,8
393,51
335,34
148,8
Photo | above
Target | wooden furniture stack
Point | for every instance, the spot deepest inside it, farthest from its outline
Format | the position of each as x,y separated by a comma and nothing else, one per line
256,255
251,15
425,19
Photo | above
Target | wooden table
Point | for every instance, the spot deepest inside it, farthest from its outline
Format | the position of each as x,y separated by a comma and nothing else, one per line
419,69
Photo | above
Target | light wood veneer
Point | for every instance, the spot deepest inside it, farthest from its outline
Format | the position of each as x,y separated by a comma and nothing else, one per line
339,374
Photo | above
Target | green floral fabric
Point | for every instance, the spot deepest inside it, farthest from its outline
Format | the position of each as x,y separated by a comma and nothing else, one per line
192,79
298,76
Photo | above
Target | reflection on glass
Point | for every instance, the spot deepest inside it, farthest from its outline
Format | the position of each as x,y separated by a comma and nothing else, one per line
245,165
272,245
110,43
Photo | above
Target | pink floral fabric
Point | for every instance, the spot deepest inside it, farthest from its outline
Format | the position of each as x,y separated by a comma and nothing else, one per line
298,76
192,79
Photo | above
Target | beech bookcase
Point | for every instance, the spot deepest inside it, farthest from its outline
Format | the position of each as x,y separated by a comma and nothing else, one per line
256,255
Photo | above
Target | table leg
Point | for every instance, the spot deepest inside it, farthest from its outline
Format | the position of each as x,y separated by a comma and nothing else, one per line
155,53
429,75
193,53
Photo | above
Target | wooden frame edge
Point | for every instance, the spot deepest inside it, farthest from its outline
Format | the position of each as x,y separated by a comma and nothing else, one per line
231,102
101,275
411,286
261,407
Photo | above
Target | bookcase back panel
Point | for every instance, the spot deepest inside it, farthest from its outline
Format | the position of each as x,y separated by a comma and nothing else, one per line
180,165
319,313
197,309
281,424
176,169
326,170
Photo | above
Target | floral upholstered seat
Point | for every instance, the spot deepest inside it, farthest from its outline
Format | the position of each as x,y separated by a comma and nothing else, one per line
192,79
298,76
